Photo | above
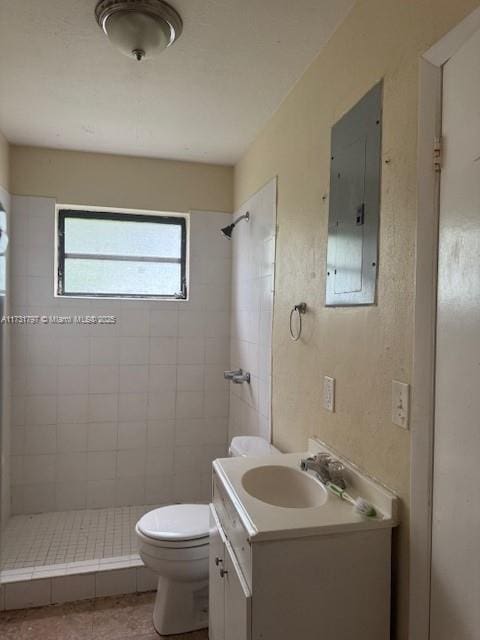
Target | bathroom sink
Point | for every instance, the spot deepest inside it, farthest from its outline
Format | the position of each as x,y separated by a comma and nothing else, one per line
283,486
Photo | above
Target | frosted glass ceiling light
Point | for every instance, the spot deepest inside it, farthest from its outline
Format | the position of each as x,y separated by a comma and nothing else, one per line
139,28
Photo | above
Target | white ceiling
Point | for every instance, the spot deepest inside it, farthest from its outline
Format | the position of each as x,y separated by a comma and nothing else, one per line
63,85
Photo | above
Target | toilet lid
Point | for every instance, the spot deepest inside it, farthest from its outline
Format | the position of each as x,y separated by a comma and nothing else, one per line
176,522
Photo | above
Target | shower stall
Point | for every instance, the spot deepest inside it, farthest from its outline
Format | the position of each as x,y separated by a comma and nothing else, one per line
110,421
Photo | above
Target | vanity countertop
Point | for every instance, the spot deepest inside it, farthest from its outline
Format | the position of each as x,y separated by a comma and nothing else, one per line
264,521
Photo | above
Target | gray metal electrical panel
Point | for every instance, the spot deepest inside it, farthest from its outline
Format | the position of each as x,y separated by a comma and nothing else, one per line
352,255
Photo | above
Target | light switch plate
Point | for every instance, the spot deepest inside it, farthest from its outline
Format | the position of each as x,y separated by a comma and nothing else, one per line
400,403
329,394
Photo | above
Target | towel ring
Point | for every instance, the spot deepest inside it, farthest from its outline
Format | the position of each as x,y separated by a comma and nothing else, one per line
300,309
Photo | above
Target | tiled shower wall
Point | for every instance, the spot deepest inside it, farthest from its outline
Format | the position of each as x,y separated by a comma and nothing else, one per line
124,414
253,271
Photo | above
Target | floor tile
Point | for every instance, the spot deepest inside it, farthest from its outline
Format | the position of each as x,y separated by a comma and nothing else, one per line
120,618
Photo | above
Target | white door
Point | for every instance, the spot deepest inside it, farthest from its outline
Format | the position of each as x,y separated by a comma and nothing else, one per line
455,595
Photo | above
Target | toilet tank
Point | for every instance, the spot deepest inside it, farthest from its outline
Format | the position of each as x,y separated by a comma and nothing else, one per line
250,446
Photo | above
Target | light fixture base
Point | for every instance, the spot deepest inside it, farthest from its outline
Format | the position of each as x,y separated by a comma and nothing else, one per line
167,17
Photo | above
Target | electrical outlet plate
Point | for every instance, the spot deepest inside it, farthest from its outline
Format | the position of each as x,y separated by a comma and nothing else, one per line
329,394
400,403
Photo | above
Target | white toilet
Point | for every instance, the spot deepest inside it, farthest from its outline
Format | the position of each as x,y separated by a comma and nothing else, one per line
173,542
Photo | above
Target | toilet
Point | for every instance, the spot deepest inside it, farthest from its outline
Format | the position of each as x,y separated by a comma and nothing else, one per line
173,543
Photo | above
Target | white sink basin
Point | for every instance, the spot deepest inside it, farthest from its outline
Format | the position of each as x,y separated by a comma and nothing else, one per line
283,486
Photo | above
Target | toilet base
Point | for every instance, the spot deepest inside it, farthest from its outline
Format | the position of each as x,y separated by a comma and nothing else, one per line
180,607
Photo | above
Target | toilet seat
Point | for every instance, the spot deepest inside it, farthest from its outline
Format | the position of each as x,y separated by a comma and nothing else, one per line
176,526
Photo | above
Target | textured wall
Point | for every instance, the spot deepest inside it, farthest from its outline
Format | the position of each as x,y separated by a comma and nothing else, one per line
103,180
4,162
364,348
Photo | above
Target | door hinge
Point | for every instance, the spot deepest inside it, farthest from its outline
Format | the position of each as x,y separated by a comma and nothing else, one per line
437,155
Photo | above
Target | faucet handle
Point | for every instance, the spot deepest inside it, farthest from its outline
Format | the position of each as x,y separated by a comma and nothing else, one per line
336,469
230,375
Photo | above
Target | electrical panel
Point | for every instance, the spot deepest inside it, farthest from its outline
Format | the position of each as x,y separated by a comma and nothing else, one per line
352,254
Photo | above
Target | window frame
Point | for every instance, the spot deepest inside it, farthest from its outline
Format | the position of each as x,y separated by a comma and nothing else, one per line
66,211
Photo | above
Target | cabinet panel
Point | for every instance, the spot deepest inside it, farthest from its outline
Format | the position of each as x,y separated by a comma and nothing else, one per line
216,581
238,600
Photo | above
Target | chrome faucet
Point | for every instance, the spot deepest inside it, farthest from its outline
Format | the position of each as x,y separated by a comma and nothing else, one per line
237,376
327,468
229,375
241,378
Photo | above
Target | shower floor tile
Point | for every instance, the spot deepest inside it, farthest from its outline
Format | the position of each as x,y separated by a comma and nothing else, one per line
69,536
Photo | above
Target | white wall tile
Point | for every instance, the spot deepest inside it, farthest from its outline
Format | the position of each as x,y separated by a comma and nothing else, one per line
135,323
162,378
146,580
160,433
31,593
130,491
164,323
73,352
159,489
71,437
41,410
134,351
71,495
190,431
72,379
133,378
159,461
163,350
90,401
103,407
72,467
41,380
251,318
103,379
104,350
132,407
102,436
39,498
72,409
131,464
39,468
132,435
161,405
190,377
17,440
100,494
40,439
112,583
191,350
73,588
101,465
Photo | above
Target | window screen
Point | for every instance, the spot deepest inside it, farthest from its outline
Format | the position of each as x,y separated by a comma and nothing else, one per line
121,255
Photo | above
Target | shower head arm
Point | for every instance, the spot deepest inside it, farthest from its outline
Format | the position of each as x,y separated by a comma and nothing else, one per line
227,231
246,216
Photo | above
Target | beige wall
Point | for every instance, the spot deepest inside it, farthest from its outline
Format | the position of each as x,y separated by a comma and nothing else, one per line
120,181
363,348
4,162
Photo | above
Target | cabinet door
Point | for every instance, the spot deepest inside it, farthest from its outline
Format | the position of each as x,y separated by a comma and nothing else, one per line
216,581
238,600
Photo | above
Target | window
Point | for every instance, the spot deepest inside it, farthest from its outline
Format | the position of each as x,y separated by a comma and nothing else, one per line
116,255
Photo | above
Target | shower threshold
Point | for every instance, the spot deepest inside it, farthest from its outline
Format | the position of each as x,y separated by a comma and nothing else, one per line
71,555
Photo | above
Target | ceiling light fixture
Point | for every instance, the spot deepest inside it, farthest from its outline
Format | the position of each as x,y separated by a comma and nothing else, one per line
139,28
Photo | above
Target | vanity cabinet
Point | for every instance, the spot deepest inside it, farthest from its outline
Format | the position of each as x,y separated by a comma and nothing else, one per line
316,587
230,597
